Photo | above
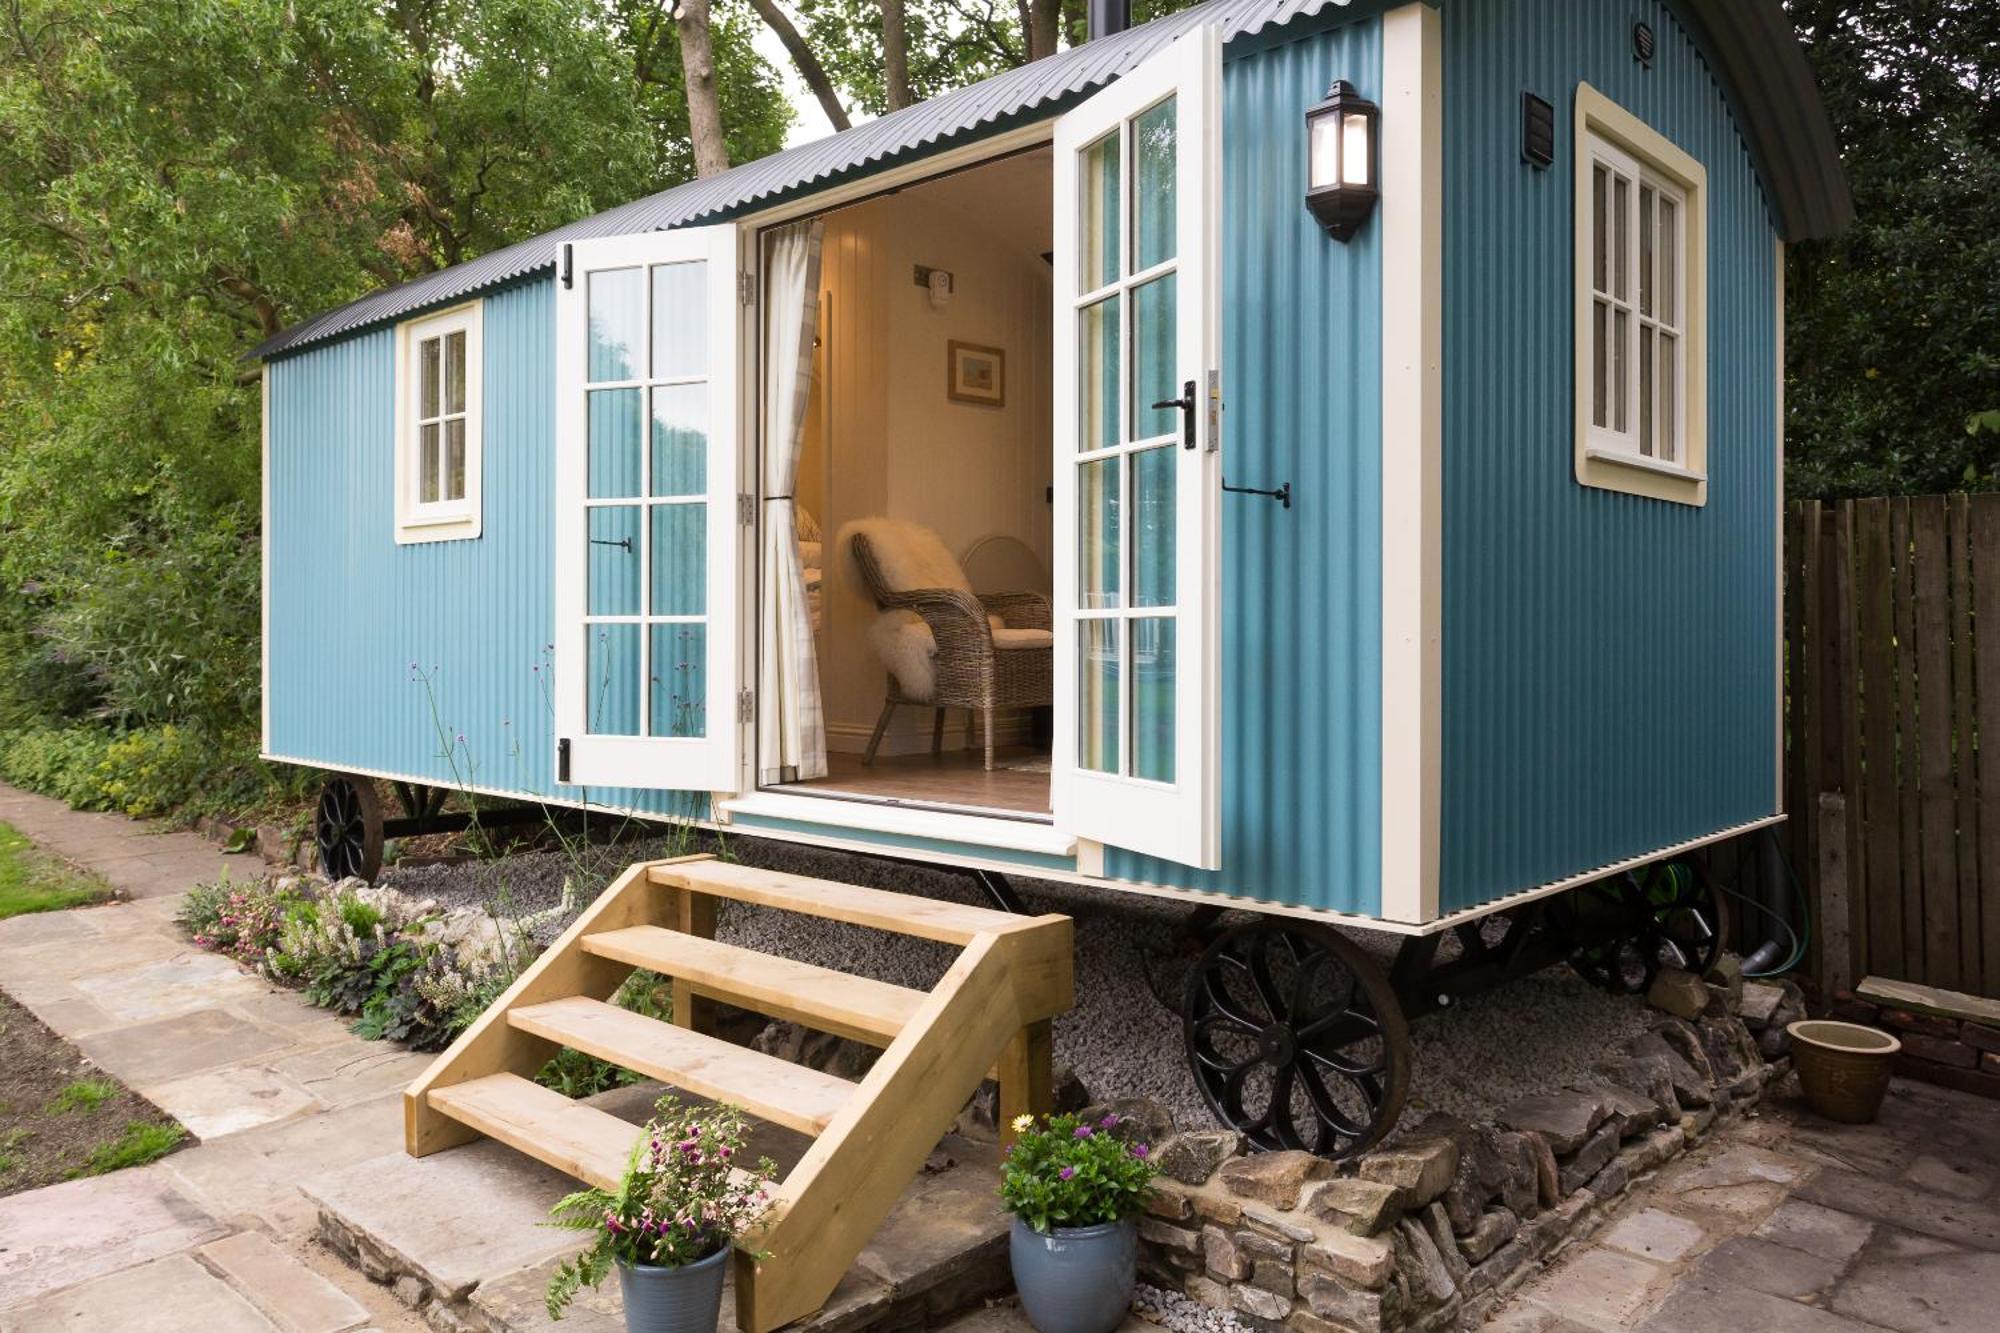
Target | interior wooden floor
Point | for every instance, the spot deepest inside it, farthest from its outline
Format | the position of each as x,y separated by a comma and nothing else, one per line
955,778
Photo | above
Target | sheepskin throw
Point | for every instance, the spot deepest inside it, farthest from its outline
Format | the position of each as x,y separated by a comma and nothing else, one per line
910,557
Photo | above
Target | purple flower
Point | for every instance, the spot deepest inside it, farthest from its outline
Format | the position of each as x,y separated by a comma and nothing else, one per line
1140,1151
1110,1120
1067,1172
1083,1131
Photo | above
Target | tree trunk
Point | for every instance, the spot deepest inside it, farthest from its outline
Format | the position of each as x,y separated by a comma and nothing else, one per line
895,55
810,68
711,147
1044,24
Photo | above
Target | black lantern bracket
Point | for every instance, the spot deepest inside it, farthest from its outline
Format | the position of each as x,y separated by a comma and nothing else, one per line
1283,495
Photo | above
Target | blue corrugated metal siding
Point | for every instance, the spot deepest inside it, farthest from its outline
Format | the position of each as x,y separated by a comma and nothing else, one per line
1302,375
354,616
1608,660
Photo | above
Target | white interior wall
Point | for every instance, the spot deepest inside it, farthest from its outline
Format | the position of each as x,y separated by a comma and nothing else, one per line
882,437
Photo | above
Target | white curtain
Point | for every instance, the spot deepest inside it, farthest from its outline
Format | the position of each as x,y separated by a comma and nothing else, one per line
791,743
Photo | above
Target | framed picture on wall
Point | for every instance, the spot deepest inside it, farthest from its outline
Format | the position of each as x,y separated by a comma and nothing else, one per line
975,374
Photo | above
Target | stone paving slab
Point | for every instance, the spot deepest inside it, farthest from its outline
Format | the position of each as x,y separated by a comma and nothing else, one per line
64,1234
174,1291
1918,1284
289,1294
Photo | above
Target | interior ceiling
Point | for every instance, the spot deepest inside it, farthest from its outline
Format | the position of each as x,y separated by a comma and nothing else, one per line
1012,199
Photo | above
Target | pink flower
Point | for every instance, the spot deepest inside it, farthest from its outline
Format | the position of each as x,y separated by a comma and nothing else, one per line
1083,1131
1066,1172
1110,1121
1140,1151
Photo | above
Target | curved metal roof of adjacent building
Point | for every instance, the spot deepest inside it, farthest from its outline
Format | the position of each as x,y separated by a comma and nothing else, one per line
1752,41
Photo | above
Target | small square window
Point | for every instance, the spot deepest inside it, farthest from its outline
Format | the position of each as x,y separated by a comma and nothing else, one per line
438,426
1641,350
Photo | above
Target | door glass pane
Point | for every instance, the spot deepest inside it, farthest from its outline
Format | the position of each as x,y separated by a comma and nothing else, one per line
615,435
1153,359
680,320
612,689
427,378
1097,375
680,560
679,700
1153,527
427,466
454,459
1097,694
680,439
617,299
614,561
1098,188
1153,698
454,372
1153,211
1098,548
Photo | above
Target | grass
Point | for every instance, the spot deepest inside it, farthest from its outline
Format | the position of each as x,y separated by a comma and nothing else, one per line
139,1144
86,1094
33,882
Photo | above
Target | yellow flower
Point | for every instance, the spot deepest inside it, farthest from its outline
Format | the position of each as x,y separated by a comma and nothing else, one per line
1023,1123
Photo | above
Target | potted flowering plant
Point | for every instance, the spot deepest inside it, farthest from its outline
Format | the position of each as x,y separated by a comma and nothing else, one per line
668,1226
1075,1188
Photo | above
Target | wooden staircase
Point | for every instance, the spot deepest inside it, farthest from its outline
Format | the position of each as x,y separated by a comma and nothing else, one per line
990,1013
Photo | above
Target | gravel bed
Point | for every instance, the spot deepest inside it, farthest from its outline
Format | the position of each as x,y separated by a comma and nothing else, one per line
1123,1038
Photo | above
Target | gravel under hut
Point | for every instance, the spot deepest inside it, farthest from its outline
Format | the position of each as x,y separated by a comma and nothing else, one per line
1123,1038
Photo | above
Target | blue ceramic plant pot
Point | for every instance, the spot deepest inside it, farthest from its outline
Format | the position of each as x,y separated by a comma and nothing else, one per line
687,1299
1075,1279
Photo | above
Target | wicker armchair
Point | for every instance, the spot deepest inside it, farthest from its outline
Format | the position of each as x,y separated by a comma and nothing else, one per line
972,671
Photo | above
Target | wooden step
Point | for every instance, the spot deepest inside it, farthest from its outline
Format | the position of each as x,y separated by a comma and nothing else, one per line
575,1139
900,913
769,1088
819,997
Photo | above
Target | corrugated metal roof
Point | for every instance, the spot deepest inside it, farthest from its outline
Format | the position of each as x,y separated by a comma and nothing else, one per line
1785,124
1015,97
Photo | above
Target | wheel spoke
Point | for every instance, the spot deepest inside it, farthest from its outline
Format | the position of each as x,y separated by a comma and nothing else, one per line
1344,1065
1225,1003
1267,988
1326,1108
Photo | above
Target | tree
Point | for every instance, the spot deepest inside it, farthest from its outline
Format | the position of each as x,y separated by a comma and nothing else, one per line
704,99
1893,328
895,56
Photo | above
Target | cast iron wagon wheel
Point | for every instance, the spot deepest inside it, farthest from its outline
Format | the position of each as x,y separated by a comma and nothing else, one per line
1296,1039
348,828
1623,930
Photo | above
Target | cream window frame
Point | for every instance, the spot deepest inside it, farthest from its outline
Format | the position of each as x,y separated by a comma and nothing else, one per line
439,520
1607,458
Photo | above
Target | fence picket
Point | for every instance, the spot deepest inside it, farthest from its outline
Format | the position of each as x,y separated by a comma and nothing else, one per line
1930,609
1875,577
1985,531
1965,776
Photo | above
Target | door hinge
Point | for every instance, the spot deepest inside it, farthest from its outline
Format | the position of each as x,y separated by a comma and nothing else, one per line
746,287
746,508
744,710
562,760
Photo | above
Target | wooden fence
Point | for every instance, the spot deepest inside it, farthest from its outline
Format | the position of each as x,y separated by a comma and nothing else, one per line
1893,735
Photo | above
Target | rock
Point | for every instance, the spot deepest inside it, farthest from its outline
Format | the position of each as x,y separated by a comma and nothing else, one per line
1168,1202
1494,1229
1563,1119
1774,1042
1650,1076
411,1291
1521,1191
1272,1223
1439,1226
1191,1158
1683,1038
1760,1003
1419,1168
1170,1236
1682,994
842,1057
1588,1160
1221,1257
1133,1120
1548,1179
1275,1276
1362,1207
1727,972
1430,1280
1365,1261
1067,1093
1257,1301
1730,1048
1691,1088
1350,1307
1273,1177
1257,1245
1634,1113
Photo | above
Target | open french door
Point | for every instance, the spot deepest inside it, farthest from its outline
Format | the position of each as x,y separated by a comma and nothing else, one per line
1137,468
648,542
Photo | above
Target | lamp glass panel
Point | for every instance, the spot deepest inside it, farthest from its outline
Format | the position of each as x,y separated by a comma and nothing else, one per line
1354,148
1323,135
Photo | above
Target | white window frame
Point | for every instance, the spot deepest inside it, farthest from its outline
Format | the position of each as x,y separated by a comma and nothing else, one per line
1675,469
438,520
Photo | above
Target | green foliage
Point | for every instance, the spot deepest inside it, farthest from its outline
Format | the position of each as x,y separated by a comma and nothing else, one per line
32,882
146,771
676,1204
1071,1173
84,1095
245,921
140,1143
1892,343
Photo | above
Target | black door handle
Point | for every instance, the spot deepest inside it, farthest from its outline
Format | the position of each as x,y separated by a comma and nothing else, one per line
1186,403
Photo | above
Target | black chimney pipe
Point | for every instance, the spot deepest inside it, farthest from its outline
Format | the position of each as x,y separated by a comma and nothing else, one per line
1108,17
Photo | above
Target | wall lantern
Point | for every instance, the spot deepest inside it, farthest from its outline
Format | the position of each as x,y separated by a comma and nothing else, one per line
1341,135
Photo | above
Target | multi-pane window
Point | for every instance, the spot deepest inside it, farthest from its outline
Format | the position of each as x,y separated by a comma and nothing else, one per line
1641,306
1637,338
437,429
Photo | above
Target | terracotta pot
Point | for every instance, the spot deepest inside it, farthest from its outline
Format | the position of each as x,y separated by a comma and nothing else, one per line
1843,1067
